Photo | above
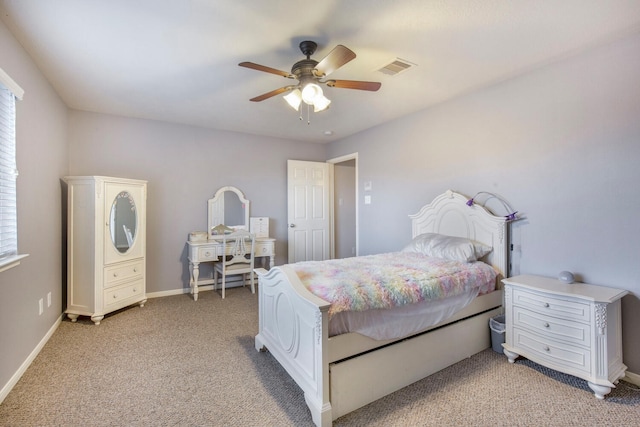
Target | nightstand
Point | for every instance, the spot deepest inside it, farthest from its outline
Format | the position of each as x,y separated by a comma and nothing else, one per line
571,328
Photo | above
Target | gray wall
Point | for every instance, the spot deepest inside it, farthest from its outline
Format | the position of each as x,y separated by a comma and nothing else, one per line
41,127
185,166
561,144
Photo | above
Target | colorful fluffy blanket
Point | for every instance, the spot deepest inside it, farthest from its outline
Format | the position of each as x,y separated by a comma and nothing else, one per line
390,280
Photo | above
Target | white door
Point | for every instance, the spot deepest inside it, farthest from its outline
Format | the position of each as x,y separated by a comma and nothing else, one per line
308,192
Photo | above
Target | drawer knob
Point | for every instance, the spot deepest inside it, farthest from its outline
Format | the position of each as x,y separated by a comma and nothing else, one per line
115,296
207,254
546,325
546,304
135,269
115,274
546,348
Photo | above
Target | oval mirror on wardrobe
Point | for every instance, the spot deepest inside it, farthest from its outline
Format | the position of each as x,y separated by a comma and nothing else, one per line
123,222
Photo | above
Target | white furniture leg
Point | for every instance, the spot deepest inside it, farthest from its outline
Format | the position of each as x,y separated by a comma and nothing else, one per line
599,390
510,355
195,273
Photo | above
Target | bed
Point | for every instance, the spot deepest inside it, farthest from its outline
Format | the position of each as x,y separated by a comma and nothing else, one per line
339,374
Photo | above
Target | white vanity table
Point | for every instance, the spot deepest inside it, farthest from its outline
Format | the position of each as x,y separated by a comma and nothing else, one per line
229,207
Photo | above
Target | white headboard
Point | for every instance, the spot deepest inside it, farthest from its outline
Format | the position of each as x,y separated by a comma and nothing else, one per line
450,215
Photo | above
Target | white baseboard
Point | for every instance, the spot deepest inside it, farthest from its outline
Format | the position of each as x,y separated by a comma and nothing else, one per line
178,291
16,377
632,378
230,284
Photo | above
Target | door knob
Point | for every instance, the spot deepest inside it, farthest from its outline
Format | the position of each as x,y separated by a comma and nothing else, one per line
292,225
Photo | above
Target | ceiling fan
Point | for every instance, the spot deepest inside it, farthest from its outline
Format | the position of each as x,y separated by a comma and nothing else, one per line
310,74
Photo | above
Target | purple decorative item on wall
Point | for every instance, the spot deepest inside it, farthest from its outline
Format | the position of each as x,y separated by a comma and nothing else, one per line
509,217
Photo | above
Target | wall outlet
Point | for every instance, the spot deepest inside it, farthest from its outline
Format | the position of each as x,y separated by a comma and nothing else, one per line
49,299
40,306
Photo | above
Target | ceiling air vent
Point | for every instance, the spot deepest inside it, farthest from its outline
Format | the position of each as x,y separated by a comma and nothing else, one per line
396,66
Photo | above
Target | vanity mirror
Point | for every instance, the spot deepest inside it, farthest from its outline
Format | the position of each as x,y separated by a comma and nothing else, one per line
228,207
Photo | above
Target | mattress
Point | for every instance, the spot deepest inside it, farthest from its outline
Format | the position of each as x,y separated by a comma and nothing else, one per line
399,322
394,295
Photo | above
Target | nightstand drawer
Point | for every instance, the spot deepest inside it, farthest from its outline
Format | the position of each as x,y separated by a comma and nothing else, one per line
548,326
551,306
555,354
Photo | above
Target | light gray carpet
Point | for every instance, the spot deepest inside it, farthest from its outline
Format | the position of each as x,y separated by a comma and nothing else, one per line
177,362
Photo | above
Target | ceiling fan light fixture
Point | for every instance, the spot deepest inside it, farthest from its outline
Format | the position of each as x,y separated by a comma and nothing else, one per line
310,74
294,99
311,92
321,103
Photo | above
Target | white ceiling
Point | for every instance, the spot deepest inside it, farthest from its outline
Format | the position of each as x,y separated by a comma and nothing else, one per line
176,60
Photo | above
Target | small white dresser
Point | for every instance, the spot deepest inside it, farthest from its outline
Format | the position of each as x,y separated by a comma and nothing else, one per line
572,328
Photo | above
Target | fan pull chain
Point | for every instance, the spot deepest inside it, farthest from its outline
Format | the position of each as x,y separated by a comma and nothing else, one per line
308,115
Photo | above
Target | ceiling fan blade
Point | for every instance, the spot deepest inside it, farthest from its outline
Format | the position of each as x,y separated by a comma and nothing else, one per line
266,69
339,56
354,84
272,93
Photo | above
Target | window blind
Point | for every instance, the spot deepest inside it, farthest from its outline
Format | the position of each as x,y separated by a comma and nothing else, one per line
8,174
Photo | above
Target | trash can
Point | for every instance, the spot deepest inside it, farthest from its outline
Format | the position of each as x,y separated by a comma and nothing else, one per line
496,324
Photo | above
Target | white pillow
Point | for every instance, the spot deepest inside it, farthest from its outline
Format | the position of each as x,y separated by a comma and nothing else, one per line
447,247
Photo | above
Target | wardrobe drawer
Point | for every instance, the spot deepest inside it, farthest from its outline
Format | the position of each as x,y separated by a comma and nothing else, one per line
552,306
118,294
551,353
552,327
117,273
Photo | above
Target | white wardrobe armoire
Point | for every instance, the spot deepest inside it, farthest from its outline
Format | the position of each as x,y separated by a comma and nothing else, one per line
106,245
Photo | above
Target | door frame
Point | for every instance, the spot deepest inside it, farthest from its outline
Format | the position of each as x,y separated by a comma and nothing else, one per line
332,162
